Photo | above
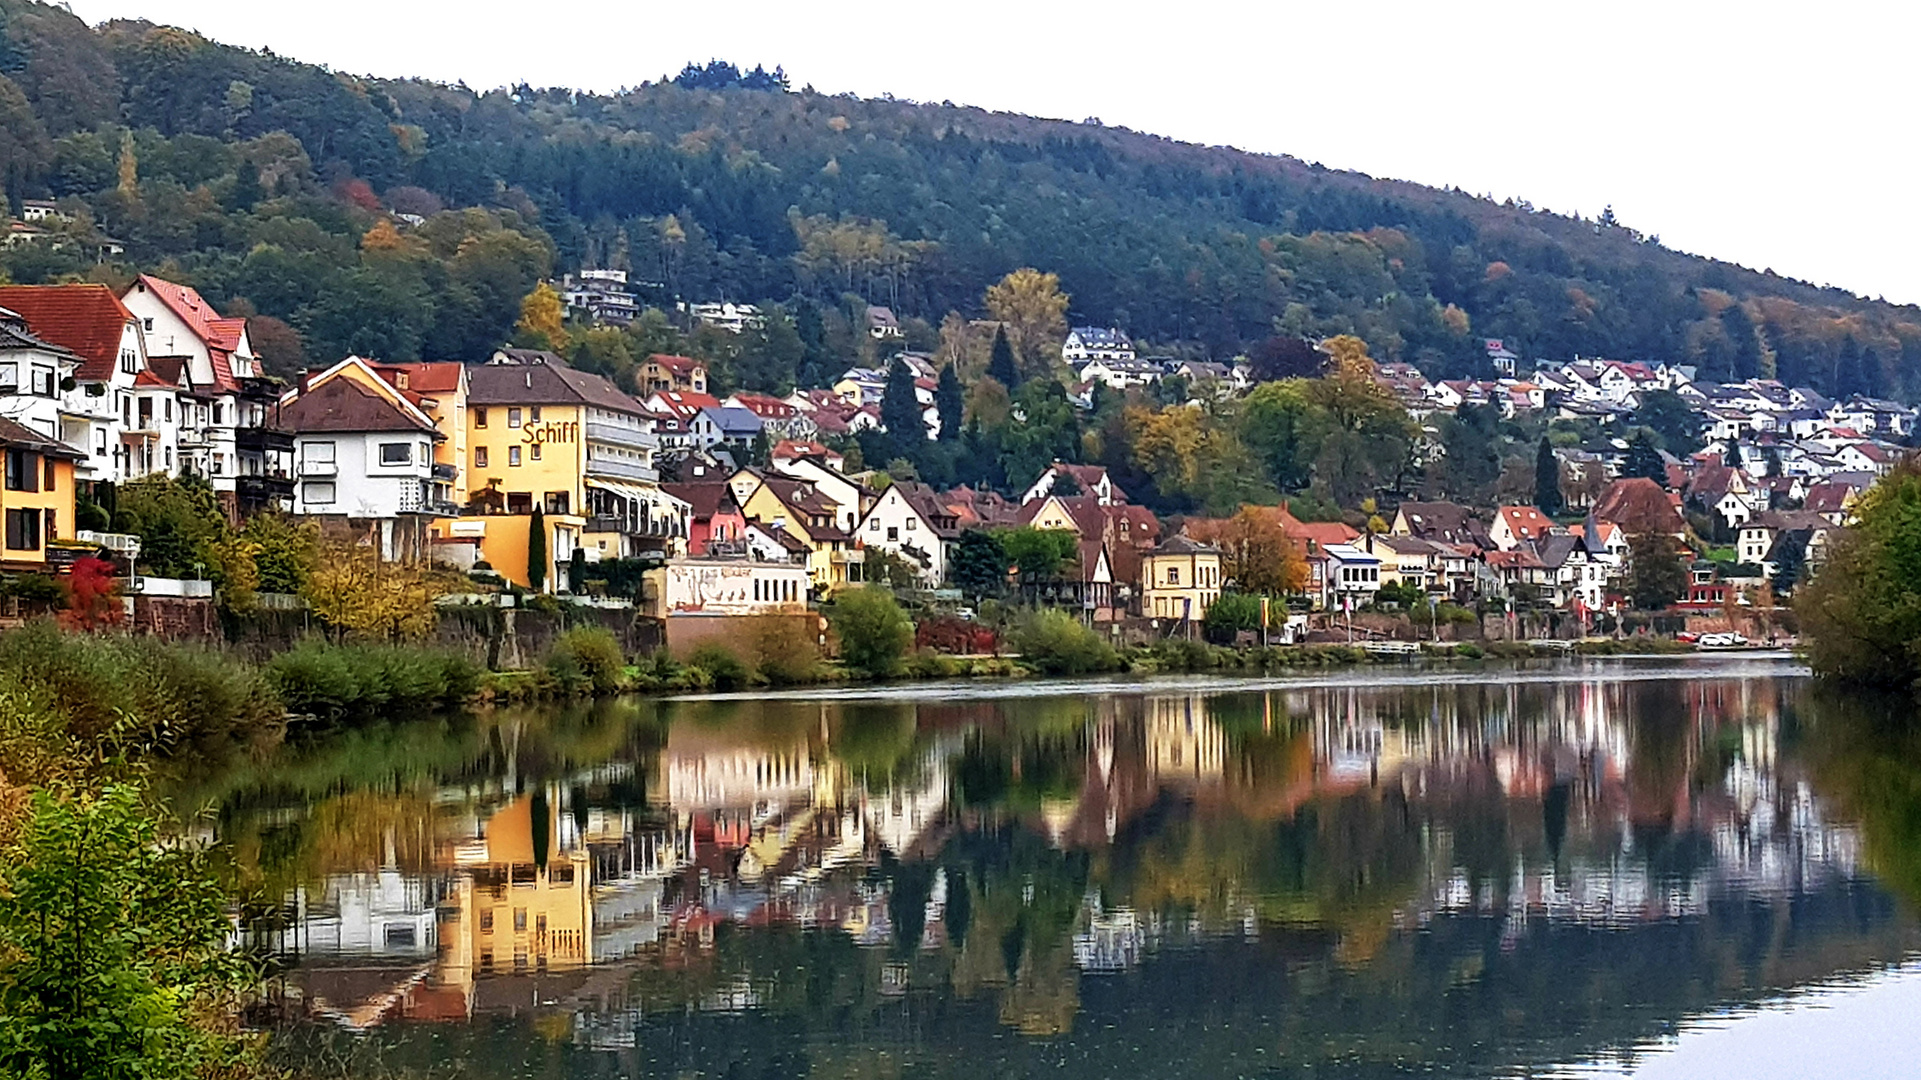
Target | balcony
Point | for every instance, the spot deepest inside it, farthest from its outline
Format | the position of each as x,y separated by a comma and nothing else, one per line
660,528
621,470
616,435
263,489
262,440
194,438
445,472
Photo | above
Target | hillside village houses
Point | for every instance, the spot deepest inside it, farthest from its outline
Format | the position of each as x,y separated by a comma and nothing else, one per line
450,461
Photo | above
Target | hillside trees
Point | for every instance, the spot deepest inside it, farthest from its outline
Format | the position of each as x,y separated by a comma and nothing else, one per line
1861,611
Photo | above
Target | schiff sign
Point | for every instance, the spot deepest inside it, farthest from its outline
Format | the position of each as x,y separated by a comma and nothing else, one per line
557,432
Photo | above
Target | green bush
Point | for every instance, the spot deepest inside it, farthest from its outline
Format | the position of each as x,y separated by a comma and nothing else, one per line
129,695
874,632
116,945
785,649
363,681
589,658
1055,643
724,668
1229,614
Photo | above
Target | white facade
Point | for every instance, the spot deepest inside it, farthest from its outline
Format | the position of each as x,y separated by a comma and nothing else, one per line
892,524
1086,343
375,474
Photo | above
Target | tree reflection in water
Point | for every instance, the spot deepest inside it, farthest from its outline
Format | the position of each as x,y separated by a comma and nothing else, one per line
1470,876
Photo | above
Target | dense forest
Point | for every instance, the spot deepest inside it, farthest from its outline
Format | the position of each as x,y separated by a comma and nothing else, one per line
266,183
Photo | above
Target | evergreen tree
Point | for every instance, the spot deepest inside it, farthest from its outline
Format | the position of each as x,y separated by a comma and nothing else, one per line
1747,359
1790,561
537,551
1645,460
1849,375
947,402
979,566
1001,367
246,191
900,412
1547,480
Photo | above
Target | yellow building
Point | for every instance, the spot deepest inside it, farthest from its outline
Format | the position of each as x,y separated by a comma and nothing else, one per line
526,903
799,509
1180,579
541,434
37,500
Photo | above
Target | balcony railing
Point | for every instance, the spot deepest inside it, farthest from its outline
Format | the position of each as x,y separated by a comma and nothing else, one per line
262,439
318,469
444,471
620,470
617,435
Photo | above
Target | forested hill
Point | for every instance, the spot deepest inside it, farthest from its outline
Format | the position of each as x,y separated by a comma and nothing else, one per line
259,180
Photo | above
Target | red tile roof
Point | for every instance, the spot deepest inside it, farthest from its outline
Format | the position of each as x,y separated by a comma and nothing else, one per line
220,335
86,319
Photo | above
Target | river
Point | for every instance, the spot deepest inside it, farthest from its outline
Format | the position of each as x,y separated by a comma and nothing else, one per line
1701,867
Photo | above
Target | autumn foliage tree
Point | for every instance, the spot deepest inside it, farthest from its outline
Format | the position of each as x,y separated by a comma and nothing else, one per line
1033,308
356,593
543,320
92,600
1256,552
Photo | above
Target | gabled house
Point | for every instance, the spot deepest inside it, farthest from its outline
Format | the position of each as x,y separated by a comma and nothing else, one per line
716,524
1446,522
365,461
725,427
662,373
232,435
1515,526
119,418
1085,479
909,520
1088,343
795,506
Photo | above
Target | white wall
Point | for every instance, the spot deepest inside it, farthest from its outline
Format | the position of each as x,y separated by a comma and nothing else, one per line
362,487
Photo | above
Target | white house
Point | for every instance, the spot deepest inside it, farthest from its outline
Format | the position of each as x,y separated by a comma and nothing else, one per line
366,456
234,440
1121,374
31,372
1086,343
908,520
1353,576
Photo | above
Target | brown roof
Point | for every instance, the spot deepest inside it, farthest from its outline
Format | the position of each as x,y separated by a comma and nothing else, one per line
800,496
705,498
543,379
1639,505
14,433
340,404
87,320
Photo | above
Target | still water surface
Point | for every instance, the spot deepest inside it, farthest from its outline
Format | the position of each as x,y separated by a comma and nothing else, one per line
1699,867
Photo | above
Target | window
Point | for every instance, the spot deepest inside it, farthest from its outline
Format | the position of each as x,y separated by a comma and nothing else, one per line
320,493
557,502
873,524
129,361
513,417
23,471
536,451
480,418
43,381
47,481
893,534
317,453
513,455
219,415
533,414
396,453
147,325
487,921
480,457
53,524
520,919
1173,575
910,524
23,530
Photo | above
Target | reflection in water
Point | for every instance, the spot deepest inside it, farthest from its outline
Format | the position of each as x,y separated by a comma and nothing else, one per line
1340,878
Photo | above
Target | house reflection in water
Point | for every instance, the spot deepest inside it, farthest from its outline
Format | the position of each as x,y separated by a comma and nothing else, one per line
559,893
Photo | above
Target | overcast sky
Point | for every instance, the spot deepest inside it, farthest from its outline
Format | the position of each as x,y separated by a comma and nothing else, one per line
1773,135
